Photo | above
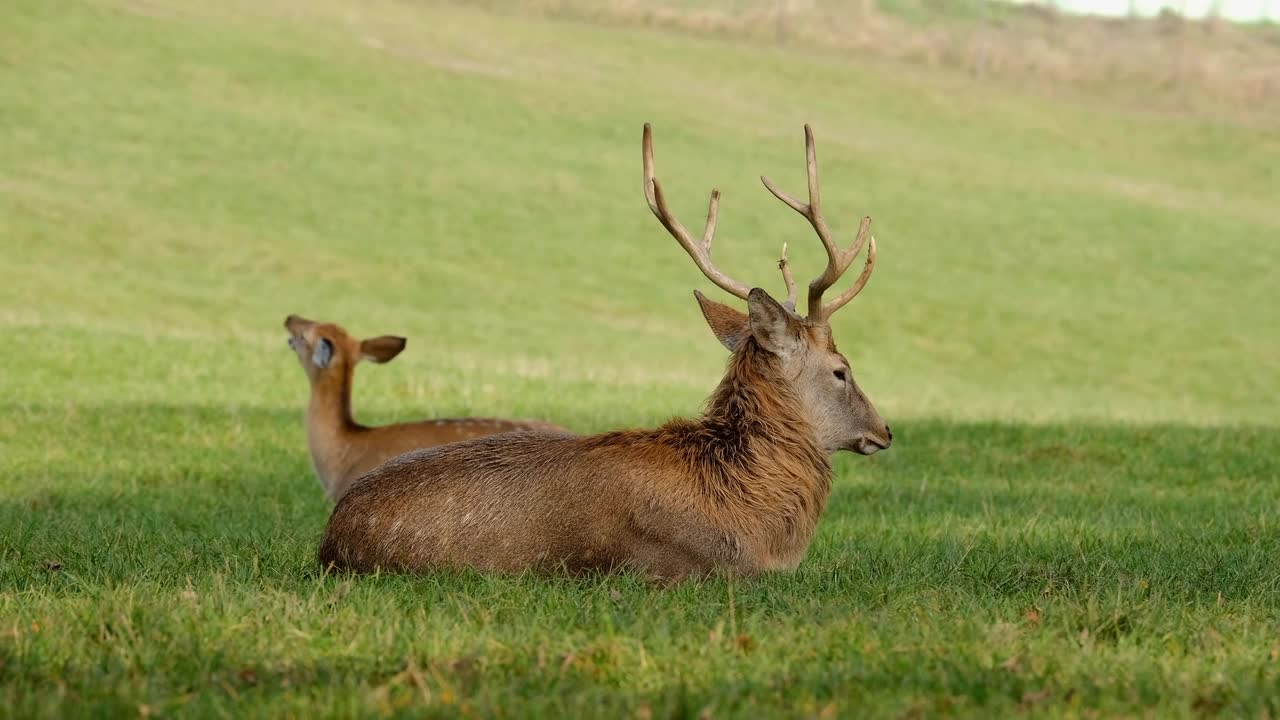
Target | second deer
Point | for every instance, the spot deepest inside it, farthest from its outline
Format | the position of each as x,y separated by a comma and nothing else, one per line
739,489
343,449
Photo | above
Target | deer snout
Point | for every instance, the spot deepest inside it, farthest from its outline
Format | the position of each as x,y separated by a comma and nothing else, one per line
873,442
297,325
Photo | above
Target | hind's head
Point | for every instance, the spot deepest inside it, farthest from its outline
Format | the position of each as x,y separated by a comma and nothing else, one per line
327,350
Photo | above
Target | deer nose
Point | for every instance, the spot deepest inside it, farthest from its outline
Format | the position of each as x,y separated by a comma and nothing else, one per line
888,432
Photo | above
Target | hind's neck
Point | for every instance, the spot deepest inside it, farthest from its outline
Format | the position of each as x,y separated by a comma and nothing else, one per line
330,427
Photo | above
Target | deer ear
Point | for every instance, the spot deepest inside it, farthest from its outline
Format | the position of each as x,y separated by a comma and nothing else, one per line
729,325
381,349
770,323
323,354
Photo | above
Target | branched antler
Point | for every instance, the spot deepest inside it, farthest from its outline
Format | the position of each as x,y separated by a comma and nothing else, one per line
838,260
700,252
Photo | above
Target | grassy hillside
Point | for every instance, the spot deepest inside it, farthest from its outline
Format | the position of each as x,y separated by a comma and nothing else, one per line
1071,329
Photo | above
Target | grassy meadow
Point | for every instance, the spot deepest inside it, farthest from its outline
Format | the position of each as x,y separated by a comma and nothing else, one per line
1072,329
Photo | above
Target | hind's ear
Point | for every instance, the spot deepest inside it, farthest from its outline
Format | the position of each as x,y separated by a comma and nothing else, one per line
729,325
771,324
381,349
323,354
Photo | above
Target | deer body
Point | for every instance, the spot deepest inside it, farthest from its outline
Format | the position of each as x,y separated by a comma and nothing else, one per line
739,489
342,449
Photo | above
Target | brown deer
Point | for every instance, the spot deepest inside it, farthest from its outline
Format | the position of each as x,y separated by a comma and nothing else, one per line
342,449
740,489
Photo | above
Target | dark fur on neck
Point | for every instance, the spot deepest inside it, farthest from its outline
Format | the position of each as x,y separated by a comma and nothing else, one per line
753,432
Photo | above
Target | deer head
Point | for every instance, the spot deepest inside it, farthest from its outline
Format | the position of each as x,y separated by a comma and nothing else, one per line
841,415
325,349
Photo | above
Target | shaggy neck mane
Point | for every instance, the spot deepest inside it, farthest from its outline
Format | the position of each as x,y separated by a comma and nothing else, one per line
753,431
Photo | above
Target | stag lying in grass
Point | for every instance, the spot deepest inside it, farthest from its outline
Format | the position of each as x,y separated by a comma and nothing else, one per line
739,489
342,449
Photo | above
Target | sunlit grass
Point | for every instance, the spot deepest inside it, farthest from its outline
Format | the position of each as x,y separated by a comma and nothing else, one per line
1071,330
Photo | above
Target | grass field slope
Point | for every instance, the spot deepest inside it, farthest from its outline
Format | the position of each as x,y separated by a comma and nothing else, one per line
1072,328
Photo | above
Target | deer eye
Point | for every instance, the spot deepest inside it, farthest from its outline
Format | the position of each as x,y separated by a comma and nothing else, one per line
842,376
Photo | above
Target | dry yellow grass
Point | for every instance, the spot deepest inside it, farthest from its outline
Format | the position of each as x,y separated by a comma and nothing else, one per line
1182,61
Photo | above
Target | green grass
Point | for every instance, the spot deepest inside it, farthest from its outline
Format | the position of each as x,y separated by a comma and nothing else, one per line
1072,330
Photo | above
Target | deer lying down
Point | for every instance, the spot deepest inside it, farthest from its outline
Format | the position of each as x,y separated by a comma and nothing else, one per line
739,489
342,449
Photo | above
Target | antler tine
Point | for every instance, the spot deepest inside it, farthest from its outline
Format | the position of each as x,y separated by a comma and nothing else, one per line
699,252
785,267
838,260
847,295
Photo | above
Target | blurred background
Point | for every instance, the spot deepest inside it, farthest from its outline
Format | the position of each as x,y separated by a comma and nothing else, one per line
1235,10
1076,215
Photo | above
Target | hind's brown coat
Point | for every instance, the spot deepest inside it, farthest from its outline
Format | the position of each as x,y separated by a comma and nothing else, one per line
342,449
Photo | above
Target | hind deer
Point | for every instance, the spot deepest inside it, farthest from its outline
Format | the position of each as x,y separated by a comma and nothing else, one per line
342,449
739,489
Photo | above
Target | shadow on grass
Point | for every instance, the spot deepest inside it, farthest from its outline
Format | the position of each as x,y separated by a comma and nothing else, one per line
165,493
149,538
